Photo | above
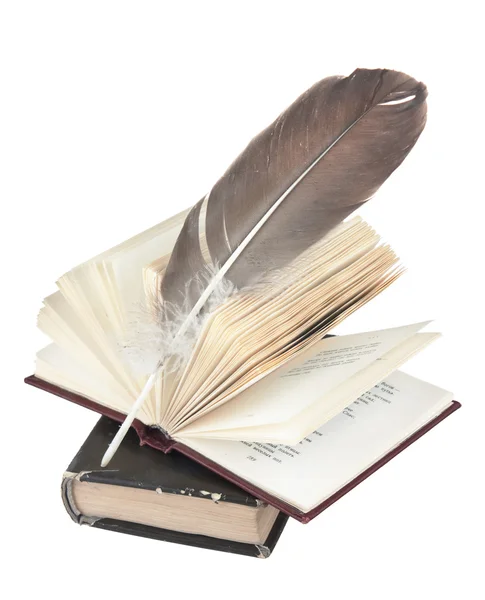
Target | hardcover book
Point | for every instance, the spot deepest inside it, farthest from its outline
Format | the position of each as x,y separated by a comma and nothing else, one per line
304,479
165,497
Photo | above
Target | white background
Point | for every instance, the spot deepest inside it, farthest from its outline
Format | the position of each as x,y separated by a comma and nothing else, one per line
115,115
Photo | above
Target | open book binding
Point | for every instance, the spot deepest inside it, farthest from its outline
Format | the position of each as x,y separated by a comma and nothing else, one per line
158,440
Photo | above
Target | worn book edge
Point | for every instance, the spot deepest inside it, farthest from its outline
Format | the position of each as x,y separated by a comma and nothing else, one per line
168,535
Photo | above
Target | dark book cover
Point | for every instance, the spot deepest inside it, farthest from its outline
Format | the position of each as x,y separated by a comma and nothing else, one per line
156,439
146,468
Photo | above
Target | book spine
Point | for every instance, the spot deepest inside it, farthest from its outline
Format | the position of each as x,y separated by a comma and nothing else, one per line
154,437
67,494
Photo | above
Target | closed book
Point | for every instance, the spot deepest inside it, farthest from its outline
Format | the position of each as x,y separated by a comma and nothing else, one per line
166,497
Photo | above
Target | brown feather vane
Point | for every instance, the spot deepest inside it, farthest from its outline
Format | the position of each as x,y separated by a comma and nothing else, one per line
322,158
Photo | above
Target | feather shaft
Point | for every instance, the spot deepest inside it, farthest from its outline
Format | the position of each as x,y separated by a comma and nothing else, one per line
123,430
363,126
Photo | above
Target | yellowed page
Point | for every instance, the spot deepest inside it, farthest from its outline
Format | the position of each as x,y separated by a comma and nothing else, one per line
315,406
256,344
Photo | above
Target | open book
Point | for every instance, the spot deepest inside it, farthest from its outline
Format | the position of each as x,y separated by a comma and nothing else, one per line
263,398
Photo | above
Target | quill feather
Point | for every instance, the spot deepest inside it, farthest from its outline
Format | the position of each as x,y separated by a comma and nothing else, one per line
322,158
325,156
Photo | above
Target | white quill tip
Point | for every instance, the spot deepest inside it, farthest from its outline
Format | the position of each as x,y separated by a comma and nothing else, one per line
123,430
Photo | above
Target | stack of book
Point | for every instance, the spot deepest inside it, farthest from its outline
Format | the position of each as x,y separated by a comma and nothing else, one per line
209,335
324,421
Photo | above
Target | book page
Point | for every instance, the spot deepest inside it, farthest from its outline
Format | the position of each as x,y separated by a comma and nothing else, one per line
306,474
86,316
241,335
305,380
317,414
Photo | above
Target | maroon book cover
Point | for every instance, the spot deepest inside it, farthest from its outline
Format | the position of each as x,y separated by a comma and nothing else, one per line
156,439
